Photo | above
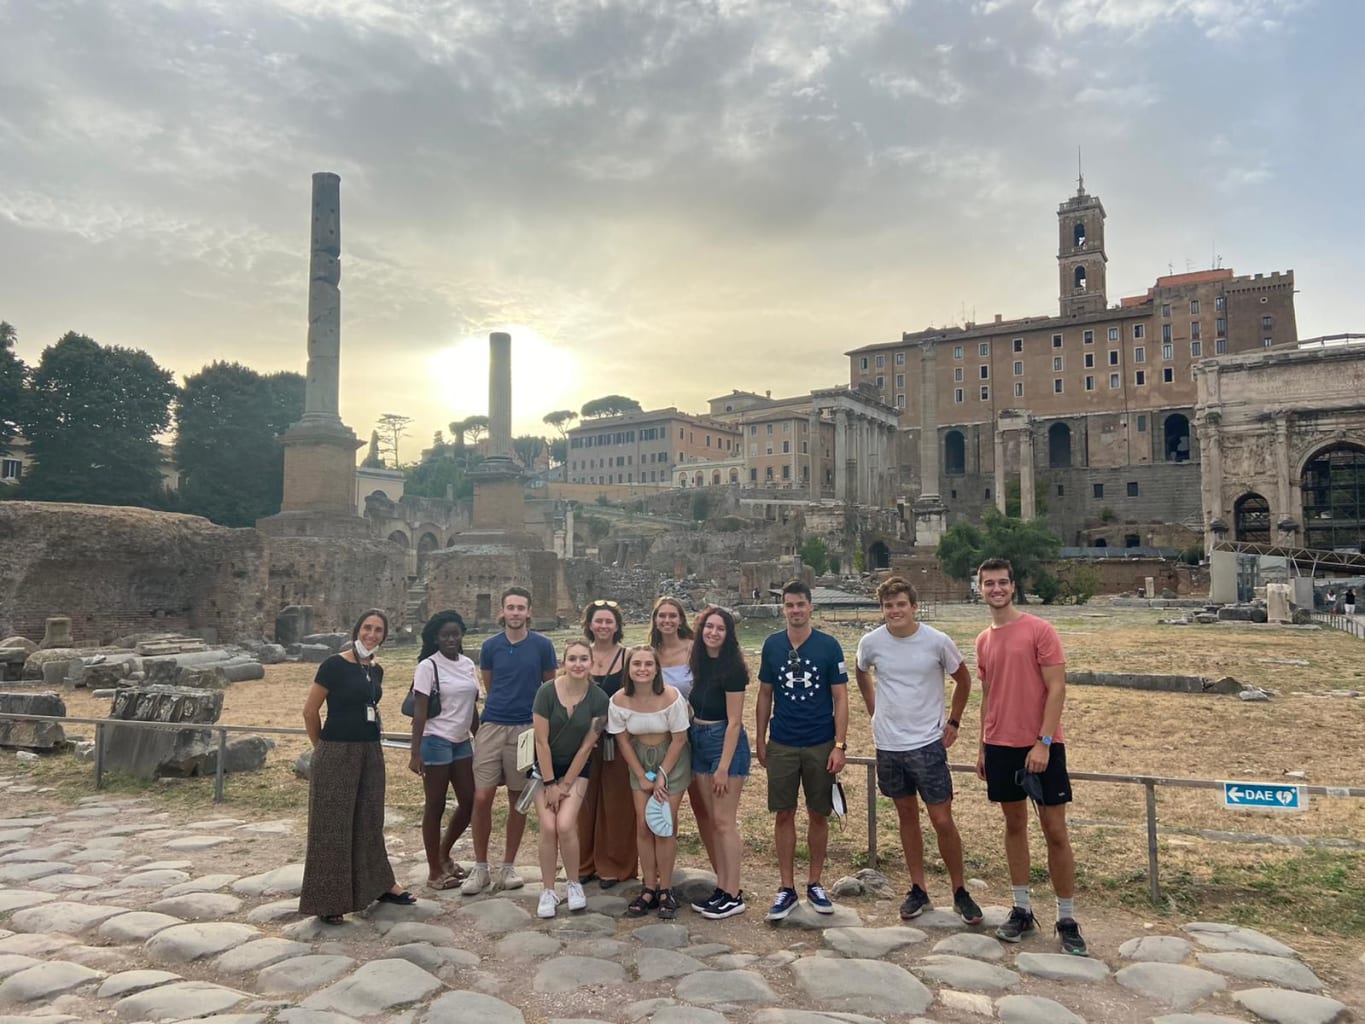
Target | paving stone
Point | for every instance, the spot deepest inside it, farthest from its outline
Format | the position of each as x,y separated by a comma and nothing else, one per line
1196,1018
978,947
733,961
259,953
1242,940
1174,985
282,881
1061,967
375,987
871,943
566,973
310,929
493,917
13,963
184,943
29,854
576,1020
935,918
526,946
780,1016
276,911
158,879
101,958
468,1008
1161,949
137,926
707,987
385,915
601,949
43,981
164,865
416,931
301,1015
68,882
91,812
63,918
662,936
434,958
582,924
687,1015
976,1003
805,918
199,906
302,974
1284,1007
860,986
15,835
282,827
645,1007
126,983
701,950
18,899
178,1001
1277,970
1034,1010
204,883
779,958
36,944
190,843
29,871
653,963
606,903
965,973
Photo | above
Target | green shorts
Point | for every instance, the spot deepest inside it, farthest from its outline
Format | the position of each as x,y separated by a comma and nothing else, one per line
793,768
652,756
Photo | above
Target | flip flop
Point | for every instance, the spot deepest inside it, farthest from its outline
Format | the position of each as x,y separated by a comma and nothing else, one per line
444,882
402,899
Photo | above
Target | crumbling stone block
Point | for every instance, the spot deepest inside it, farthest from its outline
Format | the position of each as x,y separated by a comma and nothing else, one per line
24,644
57,633
31,735
334,642
293,623
315,654
142,752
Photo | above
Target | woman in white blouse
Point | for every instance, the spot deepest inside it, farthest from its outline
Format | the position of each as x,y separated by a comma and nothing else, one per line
654,717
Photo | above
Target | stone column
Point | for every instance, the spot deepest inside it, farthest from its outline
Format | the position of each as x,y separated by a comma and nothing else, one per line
841,454
999,492
320,402
1210,476
813,451
1026,497
1283,499
500,395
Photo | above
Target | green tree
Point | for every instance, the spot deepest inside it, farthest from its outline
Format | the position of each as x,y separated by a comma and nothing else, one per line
373,460
469,429
91,414
1026,544
392,428
528,448
559,450
608,405
228,418
12,375
560,420
815,553
440,473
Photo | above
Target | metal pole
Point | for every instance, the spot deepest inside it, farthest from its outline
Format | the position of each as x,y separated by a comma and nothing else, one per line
99,757
221,767
871,815
1153,881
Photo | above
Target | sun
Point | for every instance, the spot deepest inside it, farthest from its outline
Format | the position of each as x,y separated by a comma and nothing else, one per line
544,377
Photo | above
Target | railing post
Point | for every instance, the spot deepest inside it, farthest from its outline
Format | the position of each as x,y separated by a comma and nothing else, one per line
99,757
221,767
1153,880
871,815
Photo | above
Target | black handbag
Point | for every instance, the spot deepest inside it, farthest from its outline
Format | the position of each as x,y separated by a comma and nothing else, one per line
433,698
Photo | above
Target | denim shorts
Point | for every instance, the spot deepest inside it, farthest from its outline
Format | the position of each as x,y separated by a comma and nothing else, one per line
708,744
436,751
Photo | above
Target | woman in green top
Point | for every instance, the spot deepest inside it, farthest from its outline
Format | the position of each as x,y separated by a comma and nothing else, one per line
569,714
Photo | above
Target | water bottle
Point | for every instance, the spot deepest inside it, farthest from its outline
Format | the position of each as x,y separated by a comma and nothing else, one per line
527,800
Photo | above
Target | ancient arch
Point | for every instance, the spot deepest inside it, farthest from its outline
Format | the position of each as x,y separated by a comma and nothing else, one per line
1176,435
715,478
878,555
954,453
1251,519
1333,485
426,544
734,475
1059,446
399,537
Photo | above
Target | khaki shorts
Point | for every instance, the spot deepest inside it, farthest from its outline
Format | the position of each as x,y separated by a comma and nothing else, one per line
800,768
495,757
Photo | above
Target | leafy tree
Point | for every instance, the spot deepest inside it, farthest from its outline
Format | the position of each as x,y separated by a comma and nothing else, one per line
469,429
228,418
560,420
528,448
559,450
12,374
440,473
608,405
392,427
91,415
815,553
1080,583
1026,544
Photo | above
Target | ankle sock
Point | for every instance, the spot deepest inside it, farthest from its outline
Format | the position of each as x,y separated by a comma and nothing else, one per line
1022,897
1066,908
482,864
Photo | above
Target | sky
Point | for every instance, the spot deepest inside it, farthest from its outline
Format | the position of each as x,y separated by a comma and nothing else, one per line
659,198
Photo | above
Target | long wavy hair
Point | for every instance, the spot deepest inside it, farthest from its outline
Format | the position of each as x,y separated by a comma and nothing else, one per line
708,672
684,630
602,606
657,686
433,628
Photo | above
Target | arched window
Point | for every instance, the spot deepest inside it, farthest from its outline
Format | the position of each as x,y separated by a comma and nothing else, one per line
734,475
399,537
1251,519
715,478
954,453
878,556
682,479
700,479
1334,499
1059,446
1177,437
1079,279
426,544
1078,234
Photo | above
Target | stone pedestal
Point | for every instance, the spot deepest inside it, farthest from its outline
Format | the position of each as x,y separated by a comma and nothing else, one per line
31,735
141,752
57,633
319,468
931,521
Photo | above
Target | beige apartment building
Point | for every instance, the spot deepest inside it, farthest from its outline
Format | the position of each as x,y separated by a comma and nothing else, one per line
645,447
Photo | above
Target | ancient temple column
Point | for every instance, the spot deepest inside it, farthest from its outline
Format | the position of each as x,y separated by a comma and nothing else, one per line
1026,498
1210,477
999,469
841,454
1283,494
500,395
320,401
813,451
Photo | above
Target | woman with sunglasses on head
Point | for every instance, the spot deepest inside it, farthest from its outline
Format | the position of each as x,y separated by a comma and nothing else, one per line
442,744
650,718
720,751
346,866
606,821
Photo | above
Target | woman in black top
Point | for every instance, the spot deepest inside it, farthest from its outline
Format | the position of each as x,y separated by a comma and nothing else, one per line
606,821
346,866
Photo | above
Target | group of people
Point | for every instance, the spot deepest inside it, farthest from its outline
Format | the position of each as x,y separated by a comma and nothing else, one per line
1343,604
620,736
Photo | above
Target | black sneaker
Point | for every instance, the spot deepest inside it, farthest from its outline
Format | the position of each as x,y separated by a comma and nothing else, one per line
1017,925
966,907
700,906
915,902
726,906
1072,940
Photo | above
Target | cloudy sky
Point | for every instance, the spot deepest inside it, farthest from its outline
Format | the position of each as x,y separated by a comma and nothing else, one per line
660,198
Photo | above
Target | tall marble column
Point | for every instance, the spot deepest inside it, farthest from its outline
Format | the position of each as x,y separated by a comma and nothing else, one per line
500,395
1027,502
999,493
813,452
841,454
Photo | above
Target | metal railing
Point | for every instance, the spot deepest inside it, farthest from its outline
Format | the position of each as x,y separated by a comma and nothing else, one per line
1352,624
403,740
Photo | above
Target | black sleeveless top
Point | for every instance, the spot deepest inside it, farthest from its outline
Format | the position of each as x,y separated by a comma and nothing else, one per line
616,674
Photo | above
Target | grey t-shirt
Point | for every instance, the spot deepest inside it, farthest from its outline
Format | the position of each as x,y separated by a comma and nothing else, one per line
910,688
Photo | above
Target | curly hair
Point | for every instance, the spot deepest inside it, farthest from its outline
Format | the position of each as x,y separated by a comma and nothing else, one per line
433,628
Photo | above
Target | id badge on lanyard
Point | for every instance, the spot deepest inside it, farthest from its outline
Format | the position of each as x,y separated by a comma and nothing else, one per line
371,709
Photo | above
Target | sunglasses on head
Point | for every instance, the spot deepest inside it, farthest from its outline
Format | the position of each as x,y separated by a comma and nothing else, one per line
600,603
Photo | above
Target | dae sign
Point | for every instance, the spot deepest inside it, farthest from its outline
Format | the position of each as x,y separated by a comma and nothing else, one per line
1264,796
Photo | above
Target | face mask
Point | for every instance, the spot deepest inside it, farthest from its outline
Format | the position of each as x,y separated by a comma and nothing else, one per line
363,652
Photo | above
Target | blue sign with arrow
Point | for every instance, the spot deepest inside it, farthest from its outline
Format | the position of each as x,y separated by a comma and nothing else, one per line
1264,796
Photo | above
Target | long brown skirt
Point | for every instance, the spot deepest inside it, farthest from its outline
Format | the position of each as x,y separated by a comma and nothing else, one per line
606,821
346,866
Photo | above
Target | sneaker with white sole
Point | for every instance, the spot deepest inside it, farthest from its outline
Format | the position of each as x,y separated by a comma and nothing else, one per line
819,899
700,905
725,906
508,879
783,905
477,881
576,898
548,903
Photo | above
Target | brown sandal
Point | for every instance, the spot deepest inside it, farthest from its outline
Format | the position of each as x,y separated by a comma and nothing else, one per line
668,905
643,903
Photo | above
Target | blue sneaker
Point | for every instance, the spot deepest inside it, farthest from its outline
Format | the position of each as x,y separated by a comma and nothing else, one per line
784,904
819,901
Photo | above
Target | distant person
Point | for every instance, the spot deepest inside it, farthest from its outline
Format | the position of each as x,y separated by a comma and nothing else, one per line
442,745
345,865
606,821
757,594
912,734
569,715
803,696
513,663
1023,689
1349,604
1331,601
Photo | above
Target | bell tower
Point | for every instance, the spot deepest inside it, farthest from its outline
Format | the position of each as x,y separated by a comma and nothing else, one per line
1080,253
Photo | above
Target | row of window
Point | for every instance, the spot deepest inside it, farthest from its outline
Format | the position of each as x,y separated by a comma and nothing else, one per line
1220,304
1059,386
646,434
621,460
787,425
786,448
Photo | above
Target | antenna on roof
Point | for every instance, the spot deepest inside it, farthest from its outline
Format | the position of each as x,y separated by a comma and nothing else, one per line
1080,174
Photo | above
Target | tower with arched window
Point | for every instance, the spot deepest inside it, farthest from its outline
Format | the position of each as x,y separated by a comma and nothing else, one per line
1081,258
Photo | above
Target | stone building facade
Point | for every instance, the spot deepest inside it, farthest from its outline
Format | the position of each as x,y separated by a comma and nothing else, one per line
644,447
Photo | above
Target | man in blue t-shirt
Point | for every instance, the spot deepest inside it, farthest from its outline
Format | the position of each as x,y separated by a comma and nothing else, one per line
512,664
803,692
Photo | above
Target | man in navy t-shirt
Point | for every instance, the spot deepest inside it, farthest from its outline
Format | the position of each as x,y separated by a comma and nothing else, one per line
803,692
512,664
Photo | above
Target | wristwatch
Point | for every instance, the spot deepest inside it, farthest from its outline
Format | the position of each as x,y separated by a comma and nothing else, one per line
1045,740
840,746
955,723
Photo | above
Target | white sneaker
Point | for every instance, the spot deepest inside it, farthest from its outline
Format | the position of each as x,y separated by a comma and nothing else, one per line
477,881
508,879
577,901
548,902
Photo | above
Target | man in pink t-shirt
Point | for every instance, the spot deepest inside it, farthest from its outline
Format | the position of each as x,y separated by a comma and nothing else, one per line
1023,687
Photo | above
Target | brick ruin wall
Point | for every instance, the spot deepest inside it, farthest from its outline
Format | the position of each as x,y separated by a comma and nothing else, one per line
471,580
340,578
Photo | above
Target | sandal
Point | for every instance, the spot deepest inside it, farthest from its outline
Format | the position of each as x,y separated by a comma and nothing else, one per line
454,871
668,905
442,883
608,883
402,899
331,919
643,903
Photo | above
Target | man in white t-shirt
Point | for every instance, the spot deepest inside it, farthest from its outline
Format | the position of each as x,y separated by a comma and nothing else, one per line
912,734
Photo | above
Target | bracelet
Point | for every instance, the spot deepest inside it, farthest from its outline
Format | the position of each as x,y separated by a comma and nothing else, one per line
955,723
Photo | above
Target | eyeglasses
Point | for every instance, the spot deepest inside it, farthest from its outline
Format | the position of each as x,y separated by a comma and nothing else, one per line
600,603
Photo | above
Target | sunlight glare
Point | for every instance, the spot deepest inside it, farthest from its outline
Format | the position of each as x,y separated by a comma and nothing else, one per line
544,378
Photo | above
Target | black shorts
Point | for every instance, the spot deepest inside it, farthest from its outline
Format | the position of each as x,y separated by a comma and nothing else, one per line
903,773
1002,764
